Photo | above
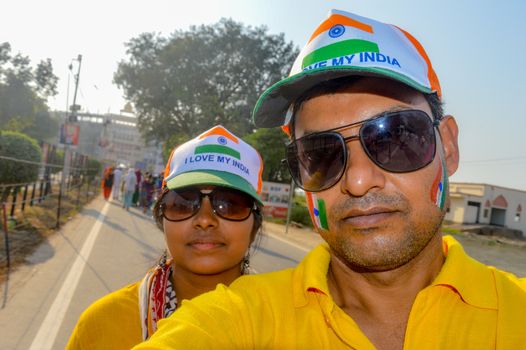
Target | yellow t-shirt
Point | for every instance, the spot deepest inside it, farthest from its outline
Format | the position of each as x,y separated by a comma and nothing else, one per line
468,306
111,322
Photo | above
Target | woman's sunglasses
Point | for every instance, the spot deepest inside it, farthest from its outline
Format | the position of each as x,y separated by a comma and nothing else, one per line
229,204
398,142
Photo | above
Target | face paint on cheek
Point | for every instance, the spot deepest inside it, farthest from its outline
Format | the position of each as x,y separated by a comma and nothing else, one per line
440,187
317,211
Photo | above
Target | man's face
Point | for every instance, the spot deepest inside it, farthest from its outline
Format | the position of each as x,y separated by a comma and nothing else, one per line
377,220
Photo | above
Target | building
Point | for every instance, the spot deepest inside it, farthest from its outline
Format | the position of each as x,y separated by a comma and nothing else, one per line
115,139
472,203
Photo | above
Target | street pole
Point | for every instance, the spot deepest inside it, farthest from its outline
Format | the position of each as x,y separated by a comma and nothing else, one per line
67,153
289,210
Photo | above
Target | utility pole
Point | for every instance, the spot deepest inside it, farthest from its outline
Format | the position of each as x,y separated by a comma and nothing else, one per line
67,154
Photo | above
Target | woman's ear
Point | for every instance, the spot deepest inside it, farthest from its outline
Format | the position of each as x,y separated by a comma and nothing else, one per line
449,134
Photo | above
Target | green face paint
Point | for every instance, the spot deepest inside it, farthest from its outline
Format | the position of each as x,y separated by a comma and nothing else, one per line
440,187
317,211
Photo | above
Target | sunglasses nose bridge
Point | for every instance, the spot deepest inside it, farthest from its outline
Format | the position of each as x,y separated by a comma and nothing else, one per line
205,215
361,174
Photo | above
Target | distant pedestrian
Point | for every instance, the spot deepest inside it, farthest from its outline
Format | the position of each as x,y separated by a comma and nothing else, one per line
130,182
135,199
117,177
107,182
146,192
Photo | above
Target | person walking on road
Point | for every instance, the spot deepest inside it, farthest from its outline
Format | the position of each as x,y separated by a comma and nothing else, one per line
117,177
146,192
211,214
130,182
373,150
107,182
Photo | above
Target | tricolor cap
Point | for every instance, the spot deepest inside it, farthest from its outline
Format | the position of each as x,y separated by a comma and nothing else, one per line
346,44
216,157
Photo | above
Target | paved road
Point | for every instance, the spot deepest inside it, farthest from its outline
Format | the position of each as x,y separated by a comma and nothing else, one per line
101,250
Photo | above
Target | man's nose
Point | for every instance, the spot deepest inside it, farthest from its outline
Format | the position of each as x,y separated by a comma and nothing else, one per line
361,174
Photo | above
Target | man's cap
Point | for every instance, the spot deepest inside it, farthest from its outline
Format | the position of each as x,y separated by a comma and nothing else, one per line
216,157
343,45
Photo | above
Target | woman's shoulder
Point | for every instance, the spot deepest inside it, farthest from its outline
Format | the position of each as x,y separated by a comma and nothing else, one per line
116,314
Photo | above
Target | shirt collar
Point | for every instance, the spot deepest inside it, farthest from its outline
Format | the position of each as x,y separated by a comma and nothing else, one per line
464,275
472,280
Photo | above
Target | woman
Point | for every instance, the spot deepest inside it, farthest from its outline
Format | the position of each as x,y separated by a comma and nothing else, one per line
146,192
210,212
107,182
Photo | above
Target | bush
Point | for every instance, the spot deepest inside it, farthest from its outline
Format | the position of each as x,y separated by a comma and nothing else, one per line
19,146
300,214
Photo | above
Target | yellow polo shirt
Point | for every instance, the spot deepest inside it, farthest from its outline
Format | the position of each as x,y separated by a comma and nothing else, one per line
468,306
112,322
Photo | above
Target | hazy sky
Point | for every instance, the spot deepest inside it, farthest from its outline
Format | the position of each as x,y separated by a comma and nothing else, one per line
478,49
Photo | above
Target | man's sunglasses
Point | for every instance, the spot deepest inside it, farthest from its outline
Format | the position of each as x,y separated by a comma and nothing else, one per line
229,204
398,142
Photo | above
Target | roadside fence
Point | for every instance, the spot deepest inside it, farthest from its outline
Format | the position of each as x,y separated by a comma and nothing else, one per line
79,182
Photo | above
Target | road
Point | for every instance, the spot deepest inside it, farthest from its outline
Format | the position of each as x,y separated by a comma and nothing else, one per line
98,251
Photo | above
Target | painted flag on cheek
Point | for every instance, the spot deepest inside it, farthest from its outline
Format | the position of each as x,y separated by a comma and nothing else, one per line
317,211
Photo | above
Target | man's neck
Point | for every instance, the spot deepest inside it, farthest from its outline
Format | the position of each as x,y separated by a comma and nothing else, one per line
383,300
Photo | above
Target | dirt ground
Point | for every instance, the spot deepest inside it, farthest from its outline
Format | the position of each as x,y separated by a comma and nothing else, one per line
503,253
34,225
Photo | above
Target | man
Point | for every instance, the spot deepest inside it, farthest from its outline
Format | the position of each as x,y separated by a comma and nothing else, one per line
373,150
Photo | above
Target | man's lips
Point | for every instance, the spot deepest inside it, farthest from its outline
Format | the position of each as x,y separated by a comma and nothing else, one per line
369,217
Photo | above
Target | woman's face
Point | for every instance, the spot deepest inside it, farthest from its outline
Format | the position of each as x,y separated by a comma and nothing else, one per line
206,243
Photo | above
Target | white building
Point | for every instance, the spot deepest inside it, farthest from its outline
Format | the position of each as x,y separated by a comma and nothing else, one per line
115,139
473,203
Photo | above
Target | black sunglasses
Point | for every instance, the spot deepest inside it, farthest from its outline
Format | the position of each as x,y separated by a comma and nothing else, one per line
227,203
398,142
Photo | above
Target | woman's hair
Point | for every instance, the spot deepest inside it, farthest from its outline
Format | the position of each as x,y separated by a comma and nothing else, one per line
256,228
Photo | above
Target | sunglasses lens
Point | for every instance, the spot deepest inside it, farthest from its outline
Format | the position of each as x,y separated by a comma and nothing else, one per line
317,161
180,205
400,142
232,205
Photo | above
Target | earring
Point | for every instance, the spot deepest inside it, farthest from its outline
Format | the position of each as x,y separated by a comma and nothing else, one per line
245,265
162,260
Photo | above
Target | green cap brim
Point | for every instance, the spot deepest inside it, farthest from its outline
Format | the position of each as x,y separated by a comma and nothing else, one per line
273,104
215,178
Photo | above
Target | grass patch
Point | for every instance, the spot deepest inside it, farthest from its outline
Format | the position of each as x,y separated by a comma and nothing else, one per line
451,231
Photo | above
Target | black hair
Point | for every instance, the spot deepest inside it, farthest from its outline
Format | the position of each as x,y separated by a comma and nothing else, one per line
341,84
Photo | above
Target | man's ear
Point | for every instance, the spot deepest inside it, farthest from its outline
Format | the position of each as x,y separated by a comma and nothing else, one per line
449,134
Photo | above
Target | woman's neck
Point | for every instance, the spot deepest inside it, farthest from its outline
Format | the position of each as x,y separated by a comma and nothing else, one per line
188,285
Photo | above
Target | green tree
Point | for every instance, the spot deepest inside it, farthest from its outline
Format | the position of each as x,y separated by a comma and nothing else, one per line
211,74
21,147
23,94
270,143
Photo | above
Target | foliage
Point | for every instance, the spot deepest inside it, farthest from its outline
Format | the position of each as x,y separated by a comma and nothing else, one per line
300,214
192,80
94,168
23,94
270,143
19,146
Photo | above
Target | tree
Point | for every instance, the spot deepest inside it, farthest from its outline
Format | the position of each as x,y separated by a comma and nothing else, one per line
22,147
23,94
211,74
271,145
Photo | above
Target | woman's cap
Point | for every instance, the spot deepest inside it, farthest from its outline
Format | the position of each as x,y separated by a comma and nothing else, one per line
343,45
216,157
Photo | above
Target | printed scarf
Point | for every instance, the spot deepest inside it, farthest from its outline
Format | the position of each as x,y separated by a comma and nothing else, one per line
157,297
